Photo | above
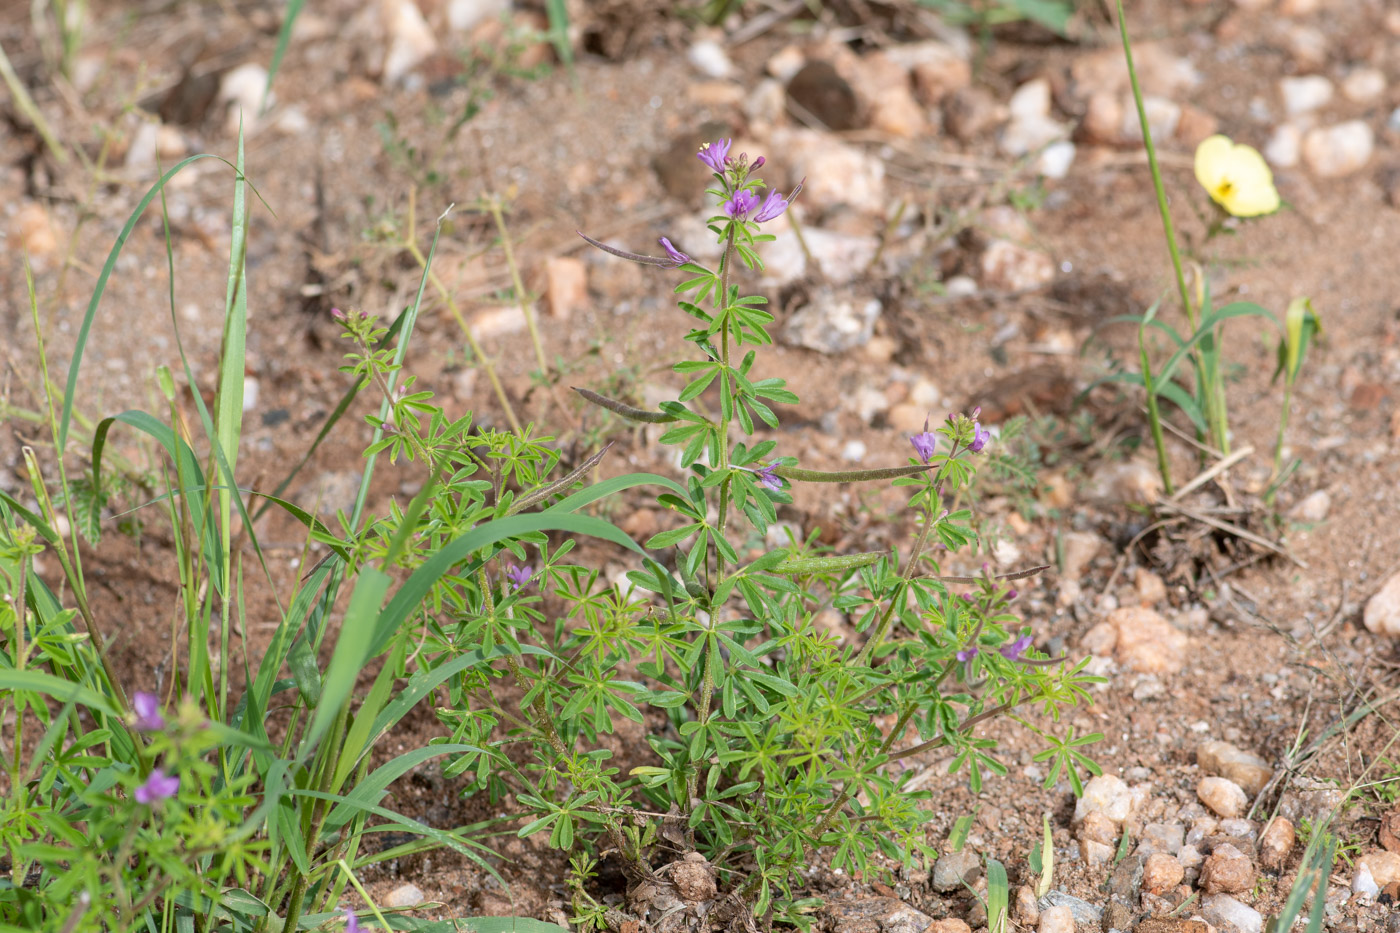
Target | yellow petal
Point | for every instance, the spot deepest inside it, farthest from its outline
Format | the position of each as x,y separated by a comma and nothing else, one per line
1212,156
1252,190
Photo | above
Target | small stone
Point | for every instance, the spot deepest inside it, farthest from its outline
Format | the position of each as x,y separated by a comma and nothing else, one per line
1195,126
1222,795
1309,799
1031,100
1163,115
466,15
1276,842
766,104
837,174
1308,46
1147,643
1131,482
938,69
710,59
1105,794
1150,588
1007,266
1313,508
1363,885
946,925
1078,548
1097,827
1055,159
1298,7
1231,916
819,90
971,111
832,323
871,914
785,63
1021,137
34,230
1024,910
566,286
1161,872
1244,830
1285,147
1166,838
1056,920
1246,769
1083,911
1389,833
1305,94
1364,85
1339,150
898,114
1101,639
241,90
955,869
410,39
1384,866
1382,615
405,895
1227,870
1103,119
1095,854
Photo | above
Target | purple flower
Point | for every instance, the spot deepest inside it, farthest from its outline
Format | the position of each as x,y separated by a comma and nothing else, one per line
741,204
715,154
519,576
352,923
1014,650
676,255
967,597
968,653
775,204
1010,595
338,315
147,707
158,787
768,478
757,164
924,443
980,436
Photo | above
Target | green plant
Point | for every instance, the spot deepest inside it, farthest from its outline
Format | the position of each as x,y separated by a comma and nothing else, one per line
770,748
1238,180
121,816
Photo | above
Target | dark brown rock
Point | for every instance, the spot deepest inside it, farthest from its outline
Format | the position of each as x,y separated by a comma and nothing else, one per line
824,94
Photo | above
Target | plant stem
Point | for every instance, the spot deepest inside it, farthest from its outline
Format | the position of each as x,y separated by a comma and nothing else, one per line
1210,398
1154,417
411,244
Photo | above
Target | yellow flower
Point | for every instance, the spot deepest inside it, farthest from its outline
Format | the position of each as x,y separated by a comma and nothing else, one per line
1236,177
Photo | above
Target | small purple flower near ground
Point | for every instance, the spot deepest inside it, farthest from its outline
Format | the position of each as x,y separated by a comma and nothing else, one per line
741,204
768,477
715,154
1014,650
158,787
147,707
924,443
338,315
519,576
676,255
980,436
352,923
968,653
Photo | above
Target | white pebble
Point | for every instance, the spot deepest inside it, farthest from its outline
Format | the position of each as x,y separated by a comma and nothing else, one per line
1304,94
